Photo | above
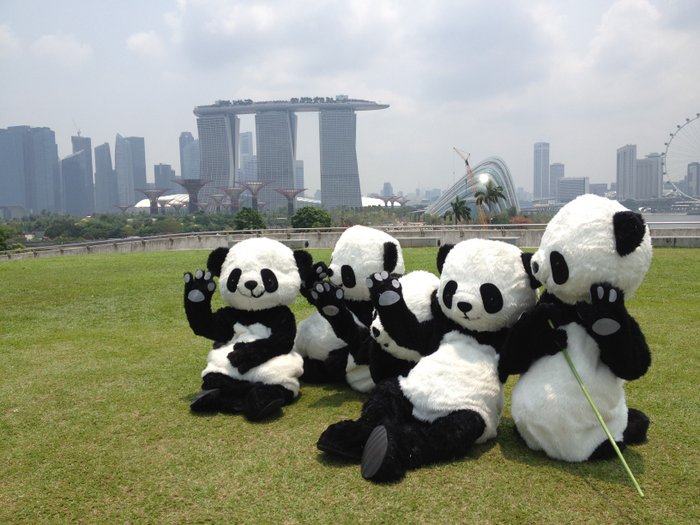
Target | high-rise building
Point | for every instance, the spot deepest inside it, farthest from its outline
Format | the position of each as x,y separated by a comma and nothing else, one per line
247,169
106,194
138,159
541,171
693,179
276,137
190,156
299,176
163,175
572,187
387,190
218,133
79,144
340,177
556,173
649,178
626,172
600,188
124,168
77,193
12,171
185,139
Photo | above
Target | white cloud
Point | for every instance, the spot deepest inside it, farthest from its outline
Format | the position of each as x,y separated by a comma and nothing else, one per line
9,44
63,50
146,44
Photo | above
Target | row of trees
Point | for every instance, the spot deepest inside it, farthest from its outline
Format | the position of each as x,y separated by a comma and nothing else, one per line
487,197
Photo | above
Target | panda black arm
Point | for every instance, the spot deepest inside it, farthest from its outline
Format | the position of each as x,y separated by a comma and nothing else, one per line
623,347
217,326
330,303
282,325
383,365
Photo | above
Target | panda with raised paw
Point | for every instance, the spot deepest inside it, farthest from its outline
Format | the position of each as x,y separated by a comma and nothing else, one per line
594,253
252,368
334,340
452,398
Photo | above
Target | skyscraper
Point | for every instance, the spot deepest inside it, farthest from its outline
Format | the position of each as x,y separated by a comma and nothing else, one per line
190,157
185,139
572,187
138,159
556,173
276,133
163,175
124,168
106,194
299,176
626,172
218,133
79,144
77,193
541,171
340,177
693,179
649,183
12,175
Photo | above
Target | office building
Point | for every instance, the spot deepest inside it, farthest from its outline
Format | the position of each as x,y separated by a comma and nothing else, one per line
572,187
185,139
163,175
78,190
106,194
138,159
84,144
649,178
626,172
190,157
299,176
124,168
693,179
218,134
387,190
556,173
600,188
541,171
276,136
12,172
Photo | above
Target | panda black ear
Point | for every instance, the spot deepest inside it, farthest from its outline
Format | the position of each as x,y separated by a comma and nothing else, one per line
216,260
442,255
527,260
629,230
391,256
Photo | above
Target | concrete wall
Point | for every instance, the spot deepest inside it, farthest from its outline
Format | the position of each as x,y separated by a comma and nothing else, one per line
524,236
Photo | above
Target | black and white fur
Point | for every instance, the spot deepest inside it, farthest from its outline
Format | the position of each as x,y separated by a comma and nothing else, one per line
252,368
593,254
334,340
452,398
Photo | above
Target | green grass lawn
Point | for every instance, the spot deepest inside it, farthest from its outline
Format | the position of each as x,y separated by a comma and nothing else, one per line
99,366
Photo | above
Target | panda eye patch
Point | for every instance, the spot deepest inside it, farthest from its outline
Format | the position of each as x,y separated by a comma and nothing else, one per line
269,280
348,276
492,298
560,270
232,281
448,293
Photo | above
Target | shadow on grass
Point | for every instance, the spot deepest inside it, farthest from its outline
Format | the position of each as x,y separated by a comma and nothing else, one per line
335,395
611,470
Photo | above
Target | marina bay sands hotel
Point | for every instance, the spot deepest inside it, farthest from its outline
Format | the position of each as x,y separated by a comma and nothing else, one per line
276,138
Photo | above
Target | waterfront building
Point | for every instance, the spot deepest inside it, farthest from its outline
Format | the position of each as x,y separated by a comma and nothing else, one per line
185,139
276,136
190,157
626,172
693,179
106,195
649,179
541,171
556,173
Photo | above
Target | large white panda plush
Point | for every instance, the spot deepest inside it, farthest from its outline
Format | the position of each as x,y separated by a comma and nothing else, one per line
252,368
452,398
594,253
333,340
393,353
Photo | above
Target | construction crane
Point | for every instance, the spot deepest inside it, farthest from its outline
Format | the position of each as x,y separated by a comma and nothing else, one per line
470,182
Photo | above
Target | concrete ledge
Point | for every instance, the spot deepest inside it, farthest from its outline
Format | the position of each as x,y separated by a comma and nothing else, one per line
295,244
509,240
675,242
418,242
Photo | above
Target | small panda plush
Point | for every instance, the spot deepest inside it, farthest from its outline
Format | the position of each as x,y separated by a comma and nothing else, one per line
333,340
410,299
594,253
252,368
452,398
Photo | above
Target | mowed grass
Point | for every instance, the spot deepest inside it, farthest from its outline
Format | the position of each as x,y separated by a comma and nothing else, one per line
99,366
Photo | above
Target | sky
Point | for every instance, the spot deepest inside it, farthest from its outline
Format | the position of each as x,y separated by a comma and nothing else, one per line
490,77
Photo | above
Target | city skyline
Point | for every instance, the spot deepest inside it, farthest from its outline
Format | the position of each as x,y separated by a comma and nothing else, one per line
587,77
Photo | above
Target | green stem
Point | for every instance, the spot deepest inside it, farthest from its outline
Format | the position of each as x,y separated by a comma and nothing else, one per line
600,419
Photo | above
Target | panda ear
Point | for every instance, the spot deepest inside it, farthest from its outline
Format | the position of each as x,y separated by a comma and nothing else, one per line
527,264
629,230
216,260
391,256
442,255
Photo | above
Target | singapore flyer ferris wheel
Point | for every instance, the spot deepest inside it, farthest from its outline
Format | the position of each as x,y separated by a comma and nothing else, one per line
682,149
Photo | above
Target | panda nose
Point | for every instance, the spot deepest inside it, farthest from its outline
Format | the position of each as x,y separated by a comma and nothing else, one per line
464,306
535,267
251,285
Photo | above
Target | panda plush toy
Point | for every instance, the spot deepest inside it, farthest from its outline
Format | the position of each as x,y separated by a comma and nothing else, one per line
452,398
387,357
252,368
594,253
333,340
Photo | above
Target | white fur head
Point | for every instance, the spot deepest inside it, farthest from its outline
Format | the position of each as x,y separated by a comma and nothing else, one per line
360,252
592,240
484,285
256,274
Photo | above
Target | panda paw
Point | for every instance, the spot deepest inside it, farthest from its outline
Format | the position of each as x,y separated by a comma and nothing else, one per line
606,312
312,274
243,357
327,297
384,288
199,287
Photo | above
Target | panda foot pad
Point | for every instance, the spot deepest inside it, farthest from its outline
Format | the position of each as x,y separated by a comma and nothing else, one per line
265,411
206,400
374,452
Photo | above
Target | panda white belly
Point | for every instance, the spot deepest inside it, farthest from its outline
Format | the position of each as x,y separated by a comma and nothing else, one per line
460,374
550,409
282,370
315,338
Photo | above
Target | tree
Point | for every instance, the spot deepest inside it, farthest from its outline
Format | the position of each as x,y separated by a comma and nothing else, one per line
489,196
460,210
249,219
311,217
